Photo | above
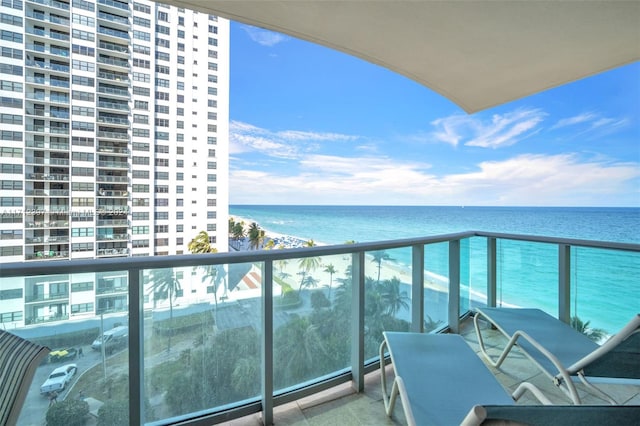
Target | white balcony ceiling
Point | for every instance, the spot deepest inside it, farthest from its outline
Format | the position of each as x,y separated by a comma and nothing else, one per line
478,54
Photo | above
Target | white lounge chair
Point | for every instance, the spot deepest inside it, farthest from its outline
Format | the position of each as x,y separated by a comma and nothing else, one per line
439,378
553,415
564,353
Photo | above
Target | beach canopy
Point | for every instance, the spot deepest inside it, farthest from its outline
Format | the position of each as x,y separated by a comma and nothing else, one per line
478,54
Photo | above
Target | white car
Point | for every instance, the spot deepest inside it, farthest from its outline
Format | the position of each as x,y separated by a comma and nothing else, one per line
58,379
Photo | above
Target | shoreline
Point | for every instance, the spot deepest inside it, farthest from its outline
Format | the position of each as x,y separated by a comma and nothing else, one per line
389,268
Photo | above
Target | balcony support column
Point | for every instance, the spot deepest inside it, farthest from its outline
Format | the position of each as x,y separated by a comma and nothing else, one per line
267,344
417,288
454,286
136,347
564,283
357,321
492,272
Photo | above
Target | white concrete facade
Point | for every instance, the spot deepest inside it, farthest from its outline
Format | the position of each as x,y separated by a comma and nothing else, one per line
113,137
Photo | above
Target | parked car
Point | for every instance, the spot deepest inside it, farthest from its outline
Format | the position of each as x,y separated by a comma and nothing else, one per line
65,354
58,379
114,339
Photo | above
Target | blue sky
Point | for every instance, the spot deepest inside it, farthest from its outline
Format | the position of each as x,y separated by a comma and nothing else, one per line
313,126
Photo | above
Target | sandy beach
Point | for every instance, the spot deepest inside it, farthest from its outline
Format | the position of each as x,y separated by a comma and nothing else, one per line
389,269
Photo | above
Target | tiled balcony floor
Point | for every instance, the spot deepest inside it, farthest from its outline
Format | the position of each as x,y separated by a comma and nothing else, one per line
340,405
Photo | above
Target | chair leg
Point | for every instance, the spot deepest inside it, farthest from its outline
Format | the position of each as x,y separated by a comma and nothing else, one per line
598,391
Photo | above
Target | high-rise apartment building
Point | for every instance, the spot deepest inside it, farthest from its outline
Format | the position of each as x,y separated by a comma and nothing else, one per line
113,135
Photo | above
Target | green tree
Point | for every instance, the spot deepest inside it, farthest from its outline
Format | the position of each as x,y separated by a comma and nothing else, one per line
166,286
307,265
201,244
238,230
70,412
378,257
330,269
244,374
393,298
595,334
309,282
256,236
114,412
319,300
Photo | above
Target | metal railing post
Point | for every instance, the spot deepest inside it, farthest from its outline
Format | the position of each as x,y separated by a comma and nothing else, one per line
454,286
564,283
492,272
136,348
267,344
357,323
417,288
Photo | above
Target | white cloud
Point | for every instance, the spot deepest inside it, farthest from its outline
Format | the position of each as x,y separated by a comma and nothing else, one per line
550,180
264,37
503,130
570,121
245,137
592,123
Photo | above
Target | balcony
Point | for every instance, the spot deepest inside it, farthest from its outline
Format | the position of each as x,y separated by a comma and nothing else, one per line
52,3
239,314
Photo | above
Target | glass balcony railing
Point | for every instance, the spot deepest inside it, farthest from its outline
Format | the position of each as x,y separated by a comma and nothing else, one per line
52,3
114,3
217,337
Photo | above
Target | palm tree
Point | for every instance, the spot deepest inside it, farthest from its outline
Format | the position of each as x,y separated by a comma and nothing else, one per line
270,244
309,282
201,244
595,334
238,231
392,297
281,264
166,285
378,257
308,264
330,269
256,236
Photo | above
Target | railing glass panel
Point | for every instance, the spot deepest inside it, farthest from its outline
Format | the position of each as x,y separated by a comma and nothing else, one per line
607,296
202,338
311,319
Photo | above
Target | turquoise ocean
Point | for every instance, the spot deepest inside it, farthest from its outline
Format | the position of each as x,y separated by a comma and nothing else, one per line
608,282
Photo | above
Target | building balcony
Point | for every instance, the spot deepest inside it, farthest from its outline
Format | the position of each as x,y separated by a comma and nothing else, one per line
31,143
110,149
53,19
112,178
47,161
114,47
46,192
51,3
114,5
112,164
119,106
265,332
112,252
45,176
112,222
47,255
39,298
113,19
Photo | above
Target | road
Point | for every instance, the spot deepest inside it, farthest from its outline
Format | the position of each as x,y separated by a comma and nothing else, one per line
36,405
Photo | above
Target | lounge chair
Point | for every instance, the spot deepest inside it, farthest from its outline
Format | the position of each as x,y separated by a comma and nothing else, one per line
19,359
564,353
439,378
553,415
